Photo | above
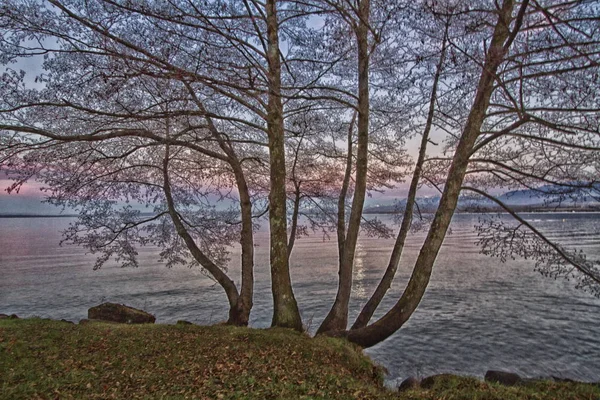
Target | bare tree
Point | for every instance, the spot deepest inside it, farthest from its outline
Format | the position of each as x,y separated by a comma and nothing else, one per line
306,103
513,42
99,156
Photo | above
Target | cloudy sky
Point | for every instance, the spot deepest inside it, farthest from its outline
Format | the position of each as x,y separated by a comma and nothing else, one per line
30,199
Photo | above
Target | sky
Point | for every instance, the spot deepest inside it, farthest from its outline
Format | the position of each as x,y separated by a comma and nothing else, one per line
30,199
27,201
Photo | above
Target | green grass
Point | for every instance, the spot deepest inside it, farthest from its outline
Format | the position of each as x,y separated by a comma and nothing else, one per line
42,359
469,388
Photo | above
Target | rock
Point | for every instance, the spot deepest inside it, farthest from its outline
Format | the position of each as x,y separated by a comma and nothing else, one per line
182,322
120,313
503,378
67,321
433,380
409,383
13,316
3,316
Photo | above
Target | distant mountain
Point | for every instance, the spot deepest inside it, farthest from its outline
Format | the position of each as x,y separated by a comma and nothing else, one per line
551,195
37,215
545,198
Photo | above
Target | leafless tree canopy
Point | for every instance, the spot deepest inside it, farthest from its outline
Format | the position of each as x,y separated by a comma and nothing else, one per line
291,112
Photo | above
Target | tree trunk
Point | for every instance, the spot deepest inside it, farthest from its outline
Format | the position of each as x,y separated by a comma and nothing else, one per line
386,281
403,309
341,213
227,284
295,214
337,319
243,306
285,308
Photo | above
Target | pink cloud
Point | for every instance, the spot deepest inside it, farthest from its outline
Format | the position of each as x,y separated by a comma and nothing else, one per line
29,189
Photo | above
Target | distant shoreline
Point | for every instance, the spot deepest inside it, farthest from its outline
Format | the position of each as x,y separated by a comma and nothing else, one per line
38,215
488,211
367,212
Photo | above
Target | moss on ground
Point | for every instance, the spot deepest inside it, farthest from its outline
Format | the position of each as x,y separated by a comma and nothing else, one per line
50,359
470,388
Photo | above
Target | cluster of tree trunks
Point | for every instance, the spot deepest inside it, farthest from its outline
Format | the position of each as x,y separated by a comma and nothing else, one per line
298,110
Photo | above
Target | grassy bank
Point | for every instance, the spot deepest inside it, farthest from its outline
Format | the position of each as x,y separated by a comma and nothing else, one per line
50,359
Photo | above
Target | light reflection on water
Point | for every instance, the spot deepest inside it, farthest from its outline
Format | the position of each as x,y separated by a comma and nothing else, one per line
359,289
477,314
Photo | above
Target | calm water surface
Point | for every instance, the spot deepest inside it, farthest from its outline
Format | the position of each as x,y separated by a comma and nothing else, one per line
477,314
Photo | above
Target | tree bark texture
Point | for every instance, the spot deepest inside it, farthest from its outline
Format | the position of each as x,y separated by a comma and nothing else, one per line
337,319
386,281
410,299
245,300
221,277
285,307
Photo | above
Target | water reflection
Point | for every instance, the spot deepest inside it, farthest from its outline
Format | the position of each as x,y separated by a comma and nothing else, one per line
358,289
477,313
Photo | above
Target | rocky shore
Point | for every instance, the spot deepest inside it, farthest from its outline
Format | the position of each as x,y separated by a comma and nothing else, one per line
504,378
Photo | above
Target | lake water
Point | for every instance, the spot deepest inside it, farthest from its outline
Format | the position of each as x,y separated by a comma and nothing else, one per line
477,314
